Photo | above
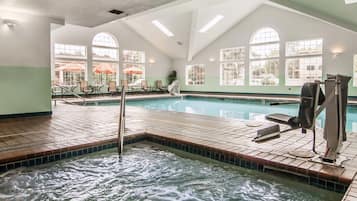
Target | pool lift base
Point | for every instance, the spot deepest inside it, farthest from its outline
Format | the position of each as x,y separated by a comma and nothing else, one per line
337,163
302,154
312,102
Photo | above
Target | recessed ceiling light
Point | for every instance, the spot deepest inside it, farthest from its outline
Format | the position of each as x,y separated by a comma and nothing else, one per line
350,1
162,28
211,23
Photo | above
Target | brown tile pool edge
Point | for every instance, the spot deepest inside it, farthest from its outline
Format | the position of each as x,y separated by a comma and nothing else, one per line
30,157
310,177
39,157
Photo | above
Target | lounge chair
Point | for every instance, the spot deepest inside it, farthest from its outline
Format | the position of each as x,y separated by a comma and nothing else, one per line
56,90
159,86
144,86
84,88
112,89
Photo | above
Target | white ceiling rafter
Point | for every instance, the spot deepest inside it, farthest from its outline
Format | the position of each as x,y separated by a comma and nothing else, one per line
185,18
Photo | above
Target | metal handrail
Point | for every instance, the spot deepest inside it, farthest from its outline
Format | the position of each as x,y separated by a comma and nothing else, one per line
80,97
74,94
121,129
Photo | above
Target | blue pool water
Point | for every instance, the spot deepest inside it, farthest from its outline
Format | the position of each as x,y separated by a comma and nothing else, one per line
232,108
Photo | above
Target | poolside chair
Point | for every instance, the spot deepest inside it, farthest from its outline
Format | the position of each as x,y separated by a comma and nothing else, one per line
84,88
56,90
144,86
112,89
159,86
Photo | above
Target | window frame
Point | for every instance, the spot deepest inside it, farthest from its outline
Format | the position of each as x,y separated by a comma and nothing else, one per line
354,70
276,58
135,63
115,47
289,57
195,82
70,58
84,57
239,61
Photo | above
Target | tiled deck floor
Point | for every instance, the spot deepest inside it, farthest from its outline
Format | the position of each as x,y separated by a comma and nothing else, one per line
74,125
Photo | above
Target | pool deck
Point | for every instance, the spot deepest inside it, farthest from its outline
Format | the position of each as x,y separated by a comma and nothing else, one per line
73,126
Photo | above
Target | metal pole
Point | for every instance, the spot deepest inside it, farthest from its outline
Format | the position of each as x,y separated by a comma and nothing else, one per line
121,129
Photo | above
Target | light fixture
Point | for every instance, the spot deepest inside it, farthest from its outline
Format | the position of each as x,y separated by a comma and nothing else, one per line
350,1
152,61
212,59
337,51
10,23
211,23
162,28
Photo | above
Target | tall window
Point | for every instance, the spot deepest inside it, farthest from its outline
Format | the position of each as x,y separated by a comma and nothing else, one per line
264,58
70,64
195,74
355,70
303,62
232,66
105,56
134,66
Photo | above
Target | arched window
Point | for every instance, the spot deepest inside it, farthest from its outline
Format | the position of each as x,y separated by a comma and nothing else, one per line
105,57
264,58
104,40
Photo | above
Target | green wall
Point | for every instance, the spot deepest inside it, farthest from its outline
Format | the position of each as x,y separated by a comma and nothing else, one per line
25,89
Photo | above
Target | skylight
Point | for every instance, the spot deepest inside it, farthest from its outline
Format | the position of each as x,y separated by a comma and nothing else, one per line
350,1
211,23
162,28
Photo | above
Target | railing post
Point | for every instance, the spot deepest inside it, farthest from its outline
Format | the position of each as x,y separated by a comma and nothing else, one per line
121,129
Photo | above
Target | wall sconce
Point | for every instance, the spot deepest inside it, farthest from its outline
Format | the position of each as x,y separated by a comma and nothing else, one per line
9,23
336,51
212,59
152,61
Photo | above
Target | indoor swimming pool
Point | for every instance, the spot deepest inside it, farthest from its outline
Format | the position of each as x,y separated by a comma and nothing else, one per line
148,171
230,108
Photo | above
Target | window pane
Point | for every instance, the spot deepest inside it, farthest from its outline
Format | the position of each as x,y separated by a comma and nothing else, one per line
105,54
264,73
103,39
195,75
232,54
265,35
301,70
355,70
134,73
69,72
264,51
232,74
304,47
130,56
104,72
70,51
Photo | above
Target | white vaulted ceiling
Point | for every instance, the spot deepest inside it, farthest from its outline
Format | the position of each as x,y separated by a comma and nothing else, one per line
185,18
81,12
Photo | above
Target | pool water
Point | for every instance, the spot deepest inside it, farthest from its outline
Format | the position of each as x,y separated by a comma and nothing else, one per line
232,108
148,171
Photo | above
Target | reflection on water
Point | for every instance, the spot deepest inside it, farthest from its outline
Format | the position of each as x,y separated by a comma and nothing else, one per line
240,109
147,172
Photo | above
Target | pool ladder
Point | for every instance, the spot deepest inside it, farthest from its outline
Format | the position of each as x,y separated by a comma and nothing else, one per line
121,129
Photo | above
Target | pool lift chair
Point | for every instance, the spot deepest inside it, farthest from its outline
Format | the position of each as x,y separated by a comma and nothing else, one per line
312,103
